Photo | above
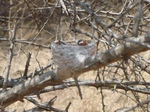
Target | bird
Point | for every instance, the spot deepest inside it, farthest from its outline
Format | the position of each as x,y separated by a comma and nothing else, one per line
70,58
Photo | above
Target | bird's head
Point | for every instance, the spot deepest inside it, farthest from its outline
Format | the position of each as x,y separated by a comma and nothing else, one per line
82,42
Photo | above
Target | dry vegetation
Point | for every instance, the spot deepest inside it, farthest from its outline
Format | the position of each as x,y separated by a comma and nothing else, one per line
109,22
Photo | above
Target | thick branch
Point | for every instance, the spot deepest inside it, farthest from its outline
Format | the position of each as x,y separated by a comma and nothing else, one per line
122,51
32,85
102,59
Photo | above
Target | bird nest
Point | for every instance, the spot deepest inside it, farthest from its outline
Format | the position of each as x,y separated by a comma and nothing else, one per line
70,57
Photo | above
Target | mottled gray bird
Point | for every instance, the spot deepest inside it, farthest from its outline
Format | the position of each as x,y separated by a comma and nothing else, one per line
70,58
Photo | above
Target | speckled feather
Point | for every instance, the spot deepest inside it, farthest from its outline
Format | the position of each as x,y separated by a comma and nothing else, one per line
70,58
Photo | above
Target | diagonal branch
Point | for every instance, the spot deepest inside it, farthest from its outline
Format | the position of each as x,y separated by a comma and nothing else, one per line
122,51
101,59
128,109
25,88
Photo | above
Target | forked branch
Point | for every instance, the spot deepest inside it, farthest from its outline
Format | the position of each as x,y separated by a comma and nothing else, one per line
101,59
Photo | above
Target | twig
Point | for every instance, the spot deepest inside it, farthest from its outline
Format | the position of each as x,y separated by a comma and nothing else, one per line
134,107
138,18
68,106
102,96
27,66
74,20
13,82
127,85
64,6
26,42
78,86
97,20
122,15
45,106
136,97
101,89
100,60
140,65
39,70
45,23
32,43
12,43
135,40
58,25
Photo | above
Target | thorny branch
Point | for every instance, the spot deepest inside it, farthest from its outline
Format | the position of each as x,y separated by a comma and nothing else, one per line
126,85
117,27
27,66
128,109
45,106
51,77
12,44
26,42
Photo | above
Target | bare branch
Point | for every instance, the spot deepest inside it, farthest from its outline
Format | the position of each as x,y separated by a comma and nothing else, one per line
85,7
138,18
124,85
45,106
27,66
26,42
51,78
35,84
128,109
12,43
122,51
122,14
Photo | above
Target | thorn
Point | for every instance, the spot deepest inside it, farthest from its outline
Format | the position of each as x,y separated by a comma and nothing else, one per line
79,89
